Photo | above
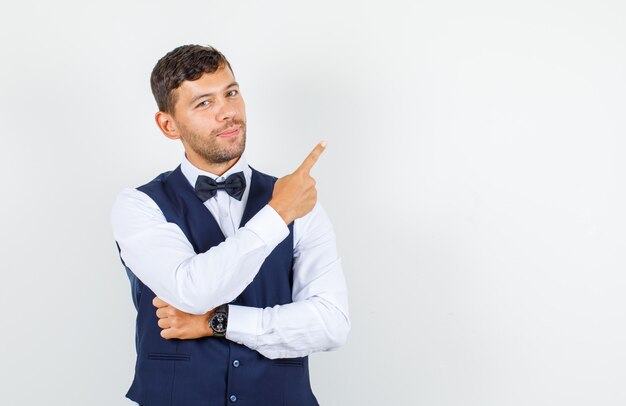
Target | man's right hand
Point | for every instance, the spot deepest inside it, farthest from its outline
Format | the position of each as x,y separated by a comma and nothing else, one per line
295,194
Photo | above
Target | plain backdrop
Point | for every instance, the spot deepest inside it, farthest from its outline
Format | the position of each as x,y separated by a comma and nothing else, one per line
474,175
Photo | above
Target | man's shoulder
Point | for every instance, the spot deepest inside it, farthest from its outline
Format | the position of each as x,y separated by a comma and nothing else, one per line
139,195
132,207
262,175
131,199
158,181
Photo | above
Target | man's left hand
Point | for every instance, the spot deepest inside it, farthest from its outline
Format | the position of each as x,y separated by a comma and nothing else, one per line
181,325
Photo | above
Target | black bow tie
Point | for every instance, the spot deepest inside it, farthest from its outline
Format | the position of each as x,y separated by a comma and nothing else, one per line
234,185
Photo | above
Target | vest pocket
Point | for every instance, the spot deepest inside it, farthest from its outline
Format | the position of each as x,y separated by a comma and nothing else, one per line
288,362
162,356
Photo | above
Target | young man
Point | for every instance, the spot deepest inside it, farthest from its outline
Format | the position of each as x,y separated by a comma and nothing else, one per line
234,274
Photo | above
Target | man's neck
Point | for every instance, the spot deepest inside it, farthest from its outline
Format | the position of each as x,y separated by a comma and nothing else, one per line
216,168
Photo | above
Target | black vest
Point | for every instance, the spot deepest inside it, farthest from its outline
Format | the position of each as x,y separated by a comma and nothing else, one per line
212,371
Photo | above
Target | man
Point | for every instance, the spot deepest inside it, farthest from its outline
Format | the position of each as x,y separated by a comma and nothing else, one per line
234,274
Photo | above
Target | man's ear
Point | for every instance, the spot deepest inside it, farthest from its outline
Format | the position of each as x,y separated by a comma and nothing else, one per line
167,125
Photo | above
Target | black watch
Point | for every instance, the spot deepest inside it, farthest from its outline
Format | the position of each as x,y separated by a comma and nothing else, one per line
219,321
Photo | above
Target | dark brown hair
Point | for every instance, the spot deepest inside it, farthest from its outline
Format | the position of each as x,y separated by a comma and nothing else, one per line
187,62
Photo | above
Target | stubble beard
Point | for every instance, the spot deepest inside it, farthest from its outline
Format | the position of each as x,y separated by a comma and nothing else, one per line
209,147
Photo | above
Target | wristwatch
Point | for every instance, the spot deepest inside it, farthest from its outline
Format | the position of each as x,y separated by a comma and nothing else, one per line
219,321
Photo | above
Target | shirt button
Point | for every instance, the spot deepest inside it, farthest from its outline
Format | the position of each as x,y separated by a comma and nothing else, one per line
236,363
225,214
233,398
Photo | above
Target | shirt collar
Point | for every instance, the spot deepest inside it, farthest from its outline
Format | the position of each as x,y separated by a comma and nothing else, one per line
192,173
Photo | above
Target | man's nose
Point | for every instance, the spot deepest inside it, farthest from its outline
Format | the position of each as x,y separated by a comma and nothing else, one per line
226,112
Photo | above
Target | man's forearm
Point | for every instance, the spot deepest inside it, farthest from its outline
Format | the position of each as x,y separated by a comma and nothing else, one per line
293,330
160,255
316,323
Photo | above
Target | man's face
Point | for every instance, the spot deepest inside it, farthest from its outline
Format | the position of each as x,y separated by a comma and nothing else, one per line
211,118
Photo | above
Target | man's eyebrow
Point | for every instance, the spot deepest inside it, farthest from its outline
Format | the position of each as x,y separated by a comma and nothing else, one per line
200,96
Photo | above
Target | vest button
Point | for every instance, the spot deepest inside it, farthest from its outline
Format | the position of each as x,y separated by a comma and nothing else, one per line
236,363
233,398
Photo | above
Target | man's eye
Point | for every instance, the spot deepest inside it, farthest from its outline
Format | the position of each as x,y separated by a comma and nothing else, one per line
233,93
203,103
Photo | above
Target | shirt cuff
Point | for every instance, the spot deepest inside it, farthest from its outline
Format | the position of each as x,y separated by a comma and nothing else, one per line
269,227
243,325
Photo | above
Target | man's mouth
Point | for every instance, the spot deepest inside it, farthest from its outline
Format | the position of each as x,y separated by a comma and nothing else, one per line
231,132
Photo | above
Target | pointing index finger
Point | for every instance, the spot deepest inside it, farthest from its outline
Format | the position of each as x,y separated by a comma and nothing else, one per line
312,158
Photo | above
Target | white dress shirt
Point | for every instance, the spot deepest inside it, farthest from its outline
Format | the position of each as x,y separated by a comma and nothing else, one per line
160,255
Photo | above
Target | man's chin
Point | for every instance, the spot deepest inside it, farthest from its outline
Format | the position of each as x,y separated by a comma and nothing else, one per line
227,157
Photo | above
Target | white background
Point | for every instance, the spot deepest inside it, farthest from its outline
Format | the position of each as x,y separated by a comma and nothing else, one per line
474,175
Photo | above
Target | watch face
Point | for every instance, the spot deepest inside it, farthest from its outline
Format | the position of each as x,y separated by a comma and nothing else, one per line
219,322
